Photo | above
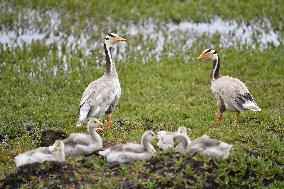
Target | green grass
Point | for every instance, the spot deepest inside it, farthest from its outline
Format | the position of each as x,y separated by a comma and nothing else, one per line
163,95
171,10
154,96
204,10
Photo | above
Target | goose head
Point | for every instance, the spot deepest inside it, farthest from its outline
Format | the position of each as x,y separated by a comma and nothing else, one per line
148,136
180,142
208,54
113,38
94,123
146,139
57,146
182,130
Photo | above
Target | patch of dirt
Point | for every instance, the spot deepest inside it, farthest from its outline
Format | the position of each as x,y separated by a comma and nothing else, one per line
149,124
108,144
48,137
166,168
112,168
129,184
54,174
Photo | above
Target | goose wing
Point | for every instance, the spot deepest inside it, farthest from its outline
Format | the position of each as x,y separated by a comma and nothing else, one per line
78,138
233,92
130,147
166,139
96,100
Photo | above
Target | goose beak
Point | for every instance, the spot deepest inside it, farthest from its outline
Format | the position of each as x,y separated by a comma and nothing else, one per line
118,38
201,56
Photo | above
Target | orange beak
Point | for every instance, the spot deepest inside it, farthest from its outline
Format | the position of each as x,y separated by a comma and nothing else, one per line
118,38
201,56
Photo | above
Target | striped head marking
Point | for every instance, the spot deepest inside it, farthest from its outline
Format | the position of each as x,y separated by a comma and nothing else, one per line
208,54
114,38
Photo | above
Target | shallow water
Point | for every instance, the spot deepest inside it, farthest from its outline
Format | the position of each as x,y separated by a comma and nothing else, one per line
151,39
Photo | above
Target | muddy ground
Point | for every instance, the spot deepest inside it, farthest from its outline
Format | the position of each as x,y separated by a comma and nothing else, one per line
167,169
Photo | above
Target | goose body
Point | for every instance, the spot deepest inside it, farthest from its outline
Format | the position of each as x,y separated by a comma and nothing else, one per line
166,138
42,154
230,93
83,144
102,95
131,151
210,147
204,145
126,156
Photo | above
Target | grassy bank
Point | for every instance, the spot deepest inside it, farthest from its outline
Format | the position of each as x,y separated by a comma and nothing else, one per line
40,90
155,96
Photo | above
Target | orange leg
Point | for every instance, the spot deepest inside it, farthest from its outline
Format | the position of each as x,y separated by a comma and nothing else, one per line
219,118
108,120
238,117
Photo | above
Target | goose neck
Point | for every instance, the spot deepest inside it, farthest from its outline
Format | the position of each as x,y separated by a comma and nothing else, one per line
110,65
215,68
92,132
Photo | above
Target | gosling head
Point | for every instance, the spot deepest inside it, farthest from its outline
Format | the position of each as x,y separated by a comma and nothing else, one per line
57,146
148,136
208,54
182,130
180,142
94,123
113,38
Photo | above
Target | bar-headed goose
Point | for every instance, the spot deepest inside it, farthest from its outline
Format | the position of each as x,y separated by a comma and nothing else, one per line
231,93
101,96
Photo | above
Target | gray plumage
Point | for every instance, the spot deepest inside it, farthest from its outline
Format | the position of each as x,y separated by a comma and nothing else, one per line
131,151
42,154
210,147
102,95
166,138
83,144
203,145
230,93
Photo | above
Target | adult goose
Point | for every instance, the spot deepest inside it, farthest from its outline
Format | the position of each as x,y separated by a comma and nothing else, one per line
101,96
231,94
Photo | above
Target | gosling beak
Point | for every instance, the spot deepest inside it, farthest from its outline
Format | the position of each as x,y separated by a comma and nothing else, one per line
99,129
50,148
118,38
175,143
201,56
